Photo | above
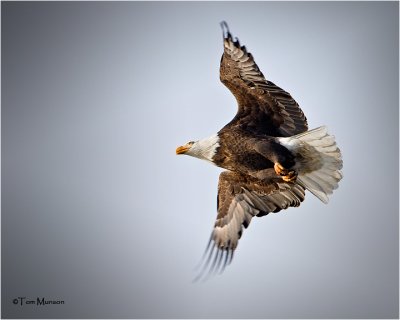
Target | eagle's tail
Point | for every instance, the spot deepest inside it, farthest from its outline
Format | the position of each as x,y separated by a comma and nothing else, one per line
318,161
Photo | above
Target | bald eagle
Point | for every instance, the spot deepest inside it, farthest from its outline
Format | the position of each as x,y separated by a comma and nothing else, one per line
269,155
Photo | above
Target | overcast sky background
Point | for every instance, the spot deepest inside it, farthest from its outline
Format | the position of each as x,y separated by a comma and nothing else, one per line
98,211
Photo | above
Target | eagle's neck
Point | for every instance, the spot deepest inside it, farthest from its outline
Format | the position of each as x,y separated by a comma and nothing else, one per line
205,148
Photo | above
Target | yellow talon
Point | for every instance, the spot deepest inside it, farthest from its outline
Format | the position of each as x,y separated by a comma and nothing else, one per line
287,175
278,168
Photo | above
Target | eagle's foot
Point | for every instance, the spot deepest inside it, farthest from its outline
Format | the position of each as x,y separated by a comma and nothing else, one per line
290,177
286,174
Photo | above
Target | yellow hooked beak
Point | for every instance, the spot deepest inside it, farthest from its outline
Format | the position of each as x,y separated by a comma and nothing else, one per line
183,149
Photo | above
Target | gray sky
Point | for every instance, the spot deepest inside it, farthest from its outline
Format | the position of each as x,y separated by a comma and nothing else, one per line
99,212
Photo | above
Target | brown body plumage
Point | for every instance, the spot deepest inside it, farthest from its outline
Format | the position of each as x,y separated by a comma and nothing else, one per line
249,153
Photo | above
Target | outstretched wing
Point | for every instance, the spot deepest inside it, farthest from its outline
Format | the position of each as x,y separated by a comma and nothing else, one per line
263,107
240,198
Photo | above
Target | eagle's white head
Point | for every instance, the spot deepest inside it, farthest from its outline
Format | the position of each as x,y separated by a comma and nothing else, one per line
203,149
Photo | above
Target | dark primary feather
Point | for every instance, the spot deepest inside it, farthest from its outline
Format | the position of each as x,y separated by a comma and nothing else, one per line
240,198
264,108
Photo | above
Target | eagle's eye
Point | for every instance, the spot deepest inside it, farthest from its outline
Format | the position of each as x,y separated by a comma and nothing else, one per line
190,143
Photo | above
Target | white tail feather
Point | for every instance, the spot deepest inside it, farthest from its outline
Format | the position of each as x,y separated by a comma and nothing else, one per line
318,161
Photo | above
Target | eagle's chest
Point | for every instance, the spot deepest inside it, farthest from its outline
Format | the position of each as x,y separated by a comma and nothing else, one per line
238,157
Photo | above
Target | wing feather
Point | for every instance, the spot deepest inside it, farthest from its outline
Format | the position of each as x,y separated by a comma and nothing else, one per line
275,111
240,198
